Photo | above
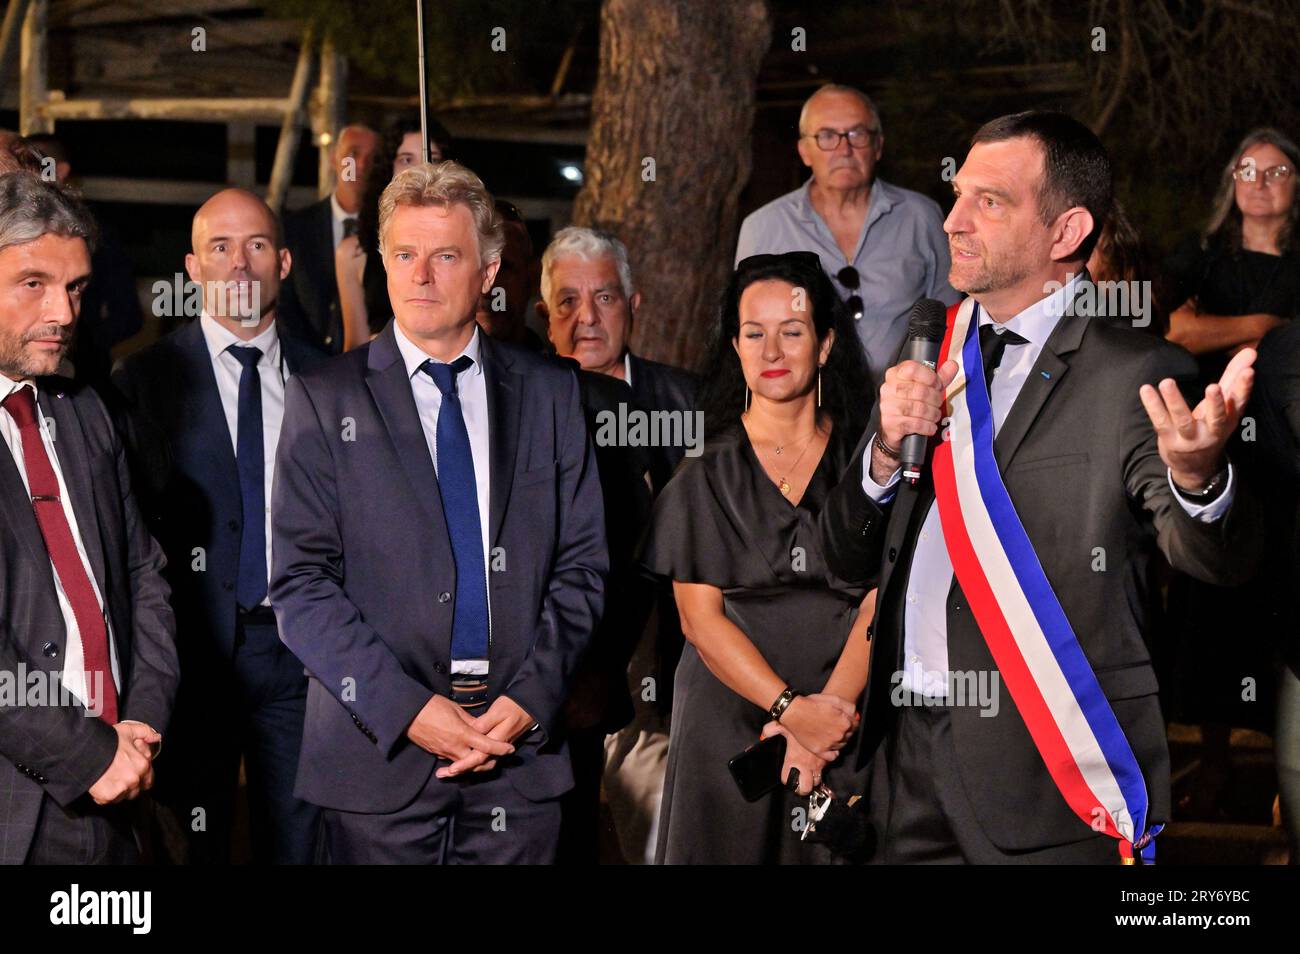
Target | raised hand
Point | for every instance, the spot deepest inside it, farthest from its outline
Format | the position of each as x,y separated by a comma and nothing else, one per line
1191,441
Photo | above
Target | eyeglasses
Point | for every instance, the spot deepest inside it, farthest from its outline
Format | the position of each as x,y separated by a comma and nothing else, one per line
827,140
1248,172
849,278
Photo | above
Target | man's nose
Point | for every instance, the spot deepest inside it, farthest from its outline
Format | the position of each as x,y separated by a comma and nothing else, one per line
422,273
60,309
585,312
958,219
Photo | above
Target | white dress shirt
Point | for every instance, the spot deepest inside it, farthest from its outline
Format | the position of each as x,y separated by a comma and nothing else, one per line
272,374
74,672
925,614
338,216
471,388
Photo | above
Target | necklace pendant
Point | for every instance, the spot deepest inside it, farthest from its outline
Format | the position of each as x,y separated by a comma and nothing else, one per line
778,451
785,486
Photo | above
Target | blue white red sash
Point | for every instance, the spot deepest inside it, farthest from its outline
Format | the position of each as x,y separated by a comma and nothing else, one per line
1039,658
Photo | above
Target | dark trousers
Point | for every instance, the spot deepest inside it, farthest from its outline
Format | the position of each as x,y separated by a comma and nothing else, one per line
255,714
580,806
83,834
920,806
472,819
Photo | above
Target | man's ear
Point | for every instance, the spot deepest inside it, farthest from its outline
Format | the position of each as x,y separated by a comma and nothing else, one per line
490,275
286,263
543,312
804,151
192,267
634,303
1072,228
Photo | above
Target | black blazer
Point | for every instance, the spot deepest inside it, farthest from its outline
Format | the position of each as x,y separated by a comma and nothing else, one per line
1078,456
188,485
58,750
309,301
363,574
661,387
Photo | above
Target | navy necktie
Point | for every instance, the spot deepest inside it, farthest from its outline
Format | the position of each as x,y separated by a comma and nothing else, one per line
250,589
455,462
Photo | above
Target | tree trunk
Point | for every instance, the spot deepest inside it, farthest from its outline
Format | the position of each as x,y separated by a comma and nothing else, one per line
669,154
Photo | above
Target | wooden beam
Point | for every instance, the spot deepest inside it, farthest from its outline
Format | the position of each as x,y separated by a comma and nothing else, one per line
32,91
291,127
210,110
185,193
14,15
241,155
327,112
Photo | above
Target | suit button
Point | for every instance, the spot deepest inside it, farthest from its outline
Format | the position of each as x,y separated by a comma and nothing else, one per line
893,554
50,650
227,585
439,668
233,525
329,339
444,597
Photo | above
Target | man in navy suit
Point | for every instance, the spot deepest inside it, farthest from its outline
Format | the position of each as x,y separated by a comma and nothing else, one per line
206,404
439,557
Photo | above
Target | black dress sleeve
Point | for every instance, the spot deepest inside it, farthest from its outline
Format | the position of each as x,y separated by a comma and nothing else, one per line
689,539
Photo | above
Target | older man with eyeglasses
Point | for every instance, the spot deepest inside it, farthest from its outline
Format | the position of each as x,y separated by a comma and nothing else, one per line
882,245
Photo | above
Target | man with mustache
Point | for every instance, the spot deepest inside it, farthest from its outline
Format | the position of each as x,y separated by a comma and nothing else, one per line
83,606
1019,558
883,245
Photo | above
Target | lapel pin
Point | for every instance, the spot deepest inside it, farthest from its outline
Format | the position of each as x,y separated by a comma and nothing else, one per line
1047,375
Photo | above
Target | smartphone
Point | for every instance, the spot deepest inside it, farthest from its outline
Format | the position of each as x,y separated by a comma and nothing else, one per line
757,770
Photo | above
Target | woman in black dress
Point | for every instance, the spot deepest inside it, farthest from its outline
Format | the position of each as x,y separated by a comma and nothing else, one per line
1234,284
785,402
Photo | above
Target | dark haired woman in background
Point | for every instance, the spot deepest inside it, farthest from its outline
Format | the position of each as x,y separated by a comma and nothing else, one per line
785,403
363,284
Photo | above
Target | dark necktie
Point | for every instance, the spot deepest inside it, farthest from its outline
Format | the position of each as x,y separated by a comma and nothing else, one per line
250,460
992,347
62,548
350,226
455,465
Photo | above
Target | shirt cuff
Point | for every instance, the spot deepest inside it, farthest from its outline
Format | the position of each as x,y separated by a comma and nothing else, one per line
1205,513
880,494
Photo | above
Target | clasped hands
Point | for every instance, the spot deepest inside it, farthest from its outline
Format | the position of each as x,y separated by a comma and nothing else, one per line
471,744
131,771
816,728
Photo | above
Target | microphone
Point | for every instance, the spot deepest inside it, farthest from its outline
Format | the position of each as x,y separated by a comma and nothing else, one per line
925,330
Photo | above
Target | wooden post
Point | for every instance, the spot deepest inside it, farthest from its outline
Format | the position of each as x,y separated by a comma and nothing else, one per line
9,33
290,128
32,90
241,158
327,112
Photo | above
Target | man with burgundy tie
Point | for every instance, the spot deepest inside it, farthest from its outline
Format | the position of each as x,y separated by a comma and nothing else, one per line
84,618
439,557
206,404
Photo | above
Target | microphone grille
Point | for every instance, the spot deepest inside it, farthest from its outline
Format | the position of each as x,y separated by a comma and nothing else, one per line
928,321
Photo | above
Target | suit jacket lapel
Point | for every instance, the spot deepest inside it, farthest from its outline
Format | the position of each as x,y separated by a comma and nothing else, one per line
74,461
505,399
391,389
1044,378
16,509
210,440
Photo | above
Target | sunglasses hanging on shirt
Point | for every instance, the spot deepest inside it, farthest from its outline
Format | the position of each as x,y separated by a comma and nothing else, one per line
848,277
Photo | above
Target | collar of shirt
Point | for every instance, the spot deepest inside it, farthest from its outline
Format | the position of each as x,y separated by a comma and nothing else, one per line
339,213
219,338
627,369
10,385
880,201
413,357
1037,322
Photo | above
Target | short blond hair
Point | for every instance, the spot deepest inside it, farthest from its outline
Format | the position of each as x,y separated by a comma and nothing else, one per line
441,184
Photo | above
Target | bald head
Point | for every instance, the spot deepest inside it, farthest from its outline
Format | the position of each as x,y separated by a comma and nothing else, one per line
236,208
239,259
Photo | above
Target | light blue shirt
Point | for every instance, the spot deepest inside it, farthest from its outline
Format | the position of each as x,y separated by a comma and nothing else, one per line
471,388
901,255
925,613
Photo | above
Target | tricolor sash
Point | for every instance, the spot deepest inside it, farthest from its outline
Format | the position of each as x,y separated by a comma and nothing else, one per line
1050,680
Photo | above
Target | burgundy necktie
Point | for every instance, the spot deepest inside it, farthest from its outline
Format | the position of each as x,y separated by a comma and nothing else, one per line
44,486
